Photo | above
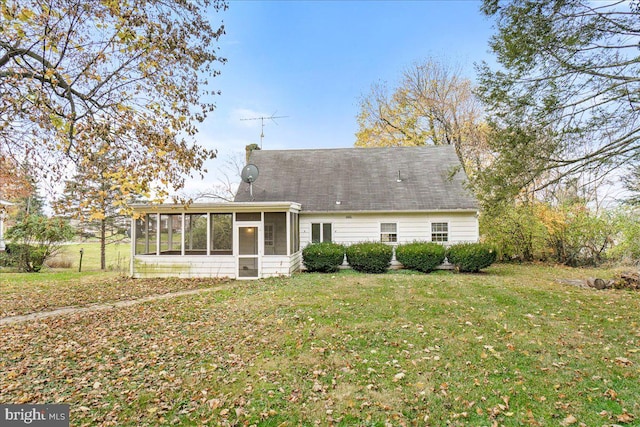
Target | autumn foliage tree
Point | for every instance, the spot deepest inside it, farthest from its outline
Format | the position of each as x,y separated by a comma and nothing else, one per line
432,104
14,182
80,78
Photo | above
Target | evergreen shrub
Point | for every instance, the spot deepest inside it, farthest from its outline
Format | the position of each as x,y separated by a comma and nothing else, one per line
325,257
24,257
471,257
369,257
420,256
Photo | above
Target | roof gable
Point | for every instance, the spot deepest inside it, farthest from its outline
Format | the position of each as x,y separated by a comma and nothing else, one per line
361,179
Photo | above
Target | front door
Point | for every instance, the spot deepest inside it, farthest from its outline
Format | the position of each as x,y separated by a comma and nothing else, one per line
248,238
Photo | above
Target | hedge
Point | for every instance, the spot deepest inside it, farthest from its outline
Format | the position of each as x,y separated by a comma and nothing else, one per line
471,257
369,257
325,257
420,256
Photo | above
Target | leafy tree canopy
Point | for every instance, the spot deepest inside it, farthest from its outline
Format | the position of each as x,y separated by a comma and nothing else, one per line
432,104
81,78
565,98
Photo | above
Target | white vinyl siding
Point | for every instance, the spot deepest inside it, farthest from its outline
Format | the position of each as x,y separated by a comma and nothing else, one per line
184,266
209,266
296,262
352,228
275,265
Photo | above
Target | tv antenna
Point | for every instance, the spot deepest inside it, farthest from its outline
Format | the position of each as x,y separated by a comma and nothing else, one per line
249,175
262,119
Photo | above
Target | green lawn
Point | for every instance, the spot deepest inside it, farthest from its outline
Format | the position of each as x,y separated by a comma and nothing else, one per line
117,256
508,347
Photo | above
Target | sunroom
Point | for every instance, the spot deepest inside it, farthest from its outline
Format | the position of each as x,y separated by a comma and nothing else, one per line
247,240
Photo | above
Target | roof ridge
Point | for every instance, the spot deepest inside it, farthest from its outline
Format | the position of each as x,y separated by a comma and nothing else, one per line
430,147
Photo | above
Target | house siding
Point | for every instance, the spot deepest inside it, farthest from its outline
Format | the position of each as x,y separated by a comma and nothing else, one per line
352,228
273,265
146,266
296,262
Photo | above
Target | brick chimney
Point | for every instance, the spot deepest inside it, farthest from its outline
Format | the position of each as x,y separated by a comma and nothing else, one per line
248,149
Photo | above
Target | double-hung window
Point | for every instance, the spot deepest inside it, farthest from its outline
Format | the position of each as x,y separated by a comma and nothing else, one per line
439,232
388,232
321,232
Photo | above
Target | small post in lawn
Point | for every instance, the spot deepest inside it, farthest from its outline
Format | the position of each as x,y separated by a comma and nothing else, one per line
80,265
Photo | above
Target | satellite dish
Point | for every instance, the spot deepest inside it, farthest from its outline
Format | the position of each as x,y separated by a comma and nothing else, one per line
249,173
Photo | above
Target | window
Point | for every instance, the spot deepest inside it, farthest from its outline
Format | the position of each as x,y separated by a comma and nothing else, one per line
221,234
146,237
439,232
195,234
320,232
268,237
275,233
171,234
388,232
295,232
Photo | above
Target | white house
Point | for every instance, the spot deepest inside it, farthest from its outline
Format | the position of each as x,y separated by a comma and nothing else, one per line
393,195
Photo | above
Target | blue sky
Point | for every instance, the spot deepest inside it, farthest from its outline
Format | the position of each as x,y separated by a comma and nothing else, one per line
313,60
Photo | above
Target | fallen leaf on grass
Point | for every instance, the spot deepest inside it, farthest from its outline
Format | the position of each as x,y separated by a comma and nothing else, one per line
625,417
569,420
623,361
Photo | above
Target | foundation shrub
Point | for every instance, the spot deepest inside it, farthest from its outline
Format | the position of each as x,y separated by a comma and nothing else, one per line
471,257
369,257
323,257
420,256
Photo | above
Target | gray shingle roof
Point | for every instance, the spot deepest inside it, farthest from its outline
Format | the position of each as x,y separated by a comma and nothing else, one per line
361,179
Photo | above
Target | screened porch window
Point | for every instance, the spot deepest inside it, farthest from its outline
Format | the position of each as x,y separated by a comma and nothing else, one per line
221,234
146,234
275,233
195,234
295,232
212,233
171,234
